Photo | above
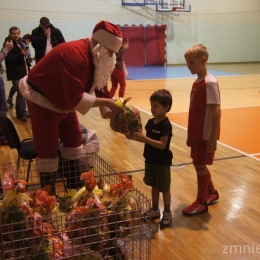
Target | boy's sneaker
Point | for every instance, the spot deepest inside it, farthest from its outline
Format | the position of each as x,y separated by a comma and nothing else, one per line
195,208
22,118
212,197
166,219
27,115
152,214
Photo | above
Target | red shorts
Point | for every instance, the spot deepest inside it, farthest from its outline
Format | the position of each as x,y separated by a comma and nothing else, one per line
199,153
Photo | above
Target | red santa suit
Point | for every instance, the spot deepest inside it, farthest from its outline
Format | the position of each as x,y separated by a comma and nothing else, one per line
58,86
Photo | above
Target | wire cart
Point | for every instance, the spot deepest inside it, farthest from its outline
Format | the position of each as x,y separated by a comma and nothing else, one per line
107,228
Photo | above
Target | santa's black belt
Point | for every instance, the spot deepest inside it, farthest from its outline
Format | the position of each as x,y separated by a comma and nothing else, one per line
33,87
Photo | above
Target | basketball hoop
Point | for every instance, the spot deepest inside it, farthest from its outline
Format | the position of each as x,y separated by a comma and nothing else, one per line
177,9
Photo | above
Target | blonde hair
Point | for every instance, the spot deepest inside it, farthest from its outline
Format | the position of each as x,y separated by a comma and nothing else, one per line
199,50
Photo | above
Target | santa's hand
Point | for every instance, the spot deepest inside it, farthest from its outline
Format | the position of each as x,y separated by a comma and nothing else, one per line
111,104
108,115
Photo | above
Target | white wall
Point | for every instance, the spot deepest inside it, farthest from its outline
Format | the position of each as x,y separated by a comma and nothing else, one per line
229,28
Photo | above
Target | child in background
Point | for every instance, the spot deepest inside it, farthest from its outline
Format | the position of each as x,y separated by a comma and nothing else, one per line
119,73
29,60
157,154
203,126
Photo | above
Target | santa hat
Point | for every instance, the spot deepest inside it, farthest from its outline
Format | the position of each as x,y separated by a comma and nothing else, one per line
108,34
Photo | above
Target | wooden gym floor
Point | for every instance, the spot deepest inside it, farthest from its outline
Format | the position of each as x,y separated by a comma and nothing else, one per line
230,230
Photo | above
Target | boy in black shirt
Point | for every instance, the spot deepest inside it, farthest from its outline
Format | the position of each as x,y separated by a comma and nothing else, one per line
158,156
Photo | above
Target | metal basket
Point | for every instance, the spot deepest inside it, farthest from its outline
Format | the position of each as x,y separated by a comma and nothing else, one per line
111,232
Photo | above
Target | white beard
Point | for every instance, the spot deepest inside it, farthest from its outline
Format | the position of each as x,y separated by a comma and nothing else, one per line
104,66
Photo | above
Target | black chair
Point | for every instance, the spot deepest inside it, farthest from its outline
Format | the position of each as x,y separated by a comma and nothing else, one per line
25,148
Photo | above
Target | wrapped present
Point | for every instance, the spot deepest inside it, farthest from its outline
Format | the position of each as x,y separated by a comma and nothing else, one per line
103,220
128,121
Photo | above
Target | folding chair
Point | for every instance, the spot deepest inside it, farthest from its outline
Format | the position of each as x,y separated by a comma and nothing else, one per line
25,148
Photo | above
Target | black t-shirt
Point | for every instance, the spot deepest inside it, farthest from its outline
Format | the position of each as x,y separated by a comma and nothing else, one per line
156,131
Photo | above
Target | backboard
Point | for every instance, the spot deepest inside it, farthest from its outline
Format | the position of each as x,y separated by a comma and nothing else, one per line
162,5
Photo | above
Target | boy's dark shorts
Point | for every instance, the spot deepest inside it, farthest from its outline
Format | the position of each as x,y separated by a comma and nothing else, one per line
158,176
199,153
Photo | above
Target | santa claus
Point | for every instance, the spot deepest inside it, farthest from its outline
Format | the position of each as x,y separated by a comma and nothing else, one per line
61,84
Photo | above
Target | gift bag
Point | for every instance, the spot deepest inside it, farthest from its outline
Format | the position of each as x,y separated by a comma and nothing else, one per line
128,121
90,145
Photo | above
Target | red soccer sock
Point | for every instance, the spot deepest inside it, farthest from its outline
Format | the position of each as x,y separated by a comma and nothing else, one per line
203,180
211,188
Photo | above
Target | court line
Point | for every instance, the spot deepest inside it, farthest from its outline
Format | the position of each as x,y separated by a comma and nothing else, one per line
239,151
191,77
240,107
186,75
225,145
181,165
186,111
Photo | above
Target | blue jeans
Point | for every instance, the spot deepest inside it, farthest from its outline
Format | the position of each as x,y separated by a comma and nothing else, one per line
20,104
3,104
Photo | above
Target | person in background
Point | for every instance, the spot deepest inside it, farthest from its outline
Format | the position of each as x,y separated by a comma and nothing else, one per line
44,38
158,156
76,69
17,68
27,41
8,45
120,72
203,126
29,59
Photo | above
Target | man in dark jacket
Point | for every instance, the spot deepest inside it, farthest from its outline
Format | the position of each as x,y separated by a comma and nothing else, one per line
16,68
8,45
44,38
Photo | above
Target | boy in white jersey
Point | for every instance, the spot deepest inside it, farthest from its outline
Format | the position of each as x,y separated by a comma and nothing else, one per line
203,126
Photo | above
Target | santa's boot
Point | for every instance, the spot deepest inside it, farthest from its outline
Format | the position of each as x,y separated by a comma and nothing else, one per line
73,176
48,178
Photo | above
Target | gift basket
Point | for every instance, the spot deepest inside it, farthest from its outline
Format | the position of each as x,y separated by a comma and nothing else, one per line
101,220
128,121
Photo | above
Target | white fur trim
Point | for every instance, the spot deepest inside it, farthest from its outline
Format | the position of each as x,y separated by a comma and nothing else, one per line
108,39
47,165
85,104
36,97
71,153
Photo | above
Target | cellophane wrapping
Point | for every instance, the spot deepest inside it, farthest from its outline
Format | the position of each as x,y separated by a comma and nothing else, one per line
102,220
128,121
